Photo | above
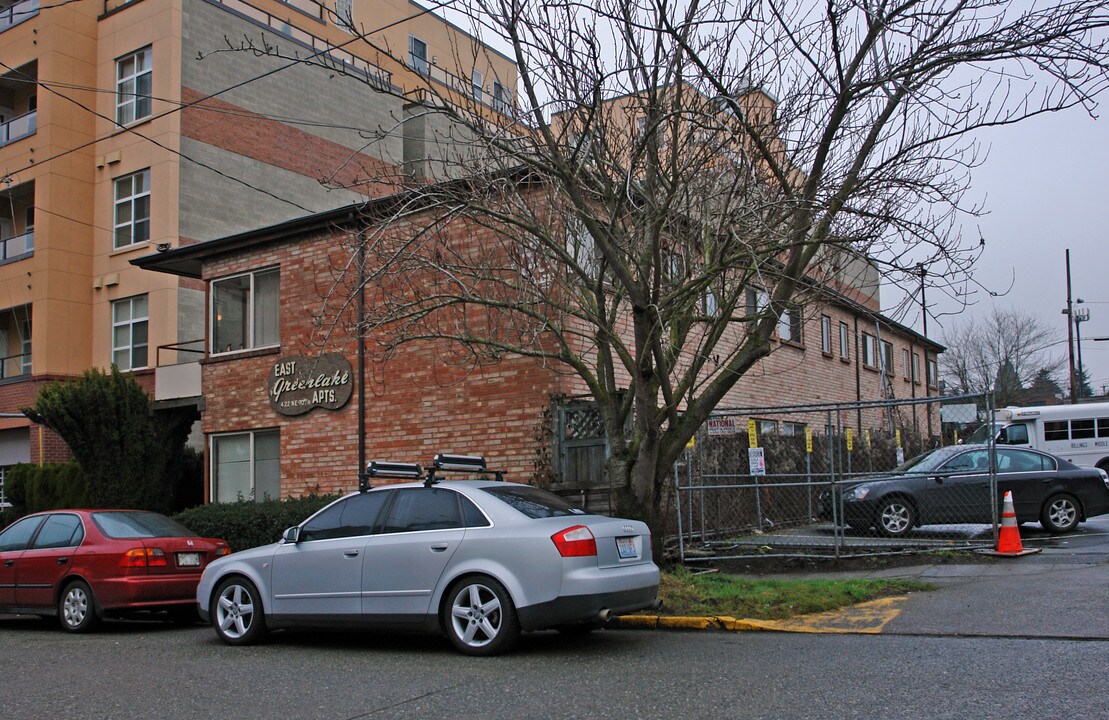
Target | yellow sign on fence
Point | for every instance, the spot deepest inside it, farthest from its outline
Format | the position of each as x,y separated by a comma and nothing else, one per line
850,439
752,436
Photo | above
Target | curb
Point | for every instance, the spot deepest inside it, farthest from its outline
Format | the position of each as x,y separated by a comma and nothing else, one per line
867,618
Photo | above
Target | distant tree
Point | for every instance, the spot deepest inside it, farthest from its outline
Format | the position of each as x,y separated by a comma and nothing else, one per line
1082,379
1044,386
129,453
1005,352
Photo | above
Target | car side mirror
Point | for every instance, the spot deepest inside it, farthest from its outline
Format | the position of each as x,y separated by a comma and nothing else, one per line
1002,437
292,535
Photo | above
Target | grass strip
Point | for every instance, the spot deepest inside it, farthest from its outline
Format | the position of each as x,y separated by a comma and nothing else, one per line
717,594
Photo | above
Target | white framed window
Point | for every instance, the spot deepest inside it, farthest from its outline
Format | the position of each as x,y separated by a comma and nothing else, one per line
501,101
709,302
757,302
789,325
916,368
344,14
245,311
582,248
130,332
132,209
246,466
870,351
793,429
933,373
887,358
476,81
844,341
826,334
417,55
134,73
908,363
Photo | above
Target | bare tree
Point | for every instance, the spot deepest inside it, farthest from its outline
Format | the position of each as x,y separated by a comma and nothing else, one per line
1004,353
673,177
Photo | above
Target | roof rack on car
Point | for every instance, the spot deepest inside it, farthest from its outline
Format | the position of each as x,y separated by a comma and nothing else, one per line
473,464
396,470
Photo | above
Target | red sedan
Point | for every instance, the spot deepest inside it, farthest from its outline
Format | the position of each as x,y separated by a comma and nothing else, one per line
84,565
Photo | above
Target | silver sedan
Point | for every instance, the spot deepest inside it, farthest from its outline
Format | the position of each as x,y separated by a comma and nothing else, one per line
480,561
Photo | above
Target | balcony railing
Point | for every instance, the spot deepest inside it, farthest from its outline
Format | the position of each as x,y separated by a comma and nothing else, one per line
17,13
18,128
182,378
17,246
14,366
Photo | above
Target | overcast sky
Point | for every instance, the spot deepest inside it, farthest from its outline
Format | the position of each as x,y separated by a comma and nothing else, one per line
1044,186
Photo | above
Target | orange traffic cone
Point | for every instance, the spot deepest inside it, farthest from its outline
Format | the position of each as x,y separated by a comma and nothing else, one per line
1008,541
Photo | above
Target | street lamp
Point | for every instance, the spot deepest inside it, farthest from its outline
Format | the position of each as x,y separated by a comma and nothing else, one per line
1081,315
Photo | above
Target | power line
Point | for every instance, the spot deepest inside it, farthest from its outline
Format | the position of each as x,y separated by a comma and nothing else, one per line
362,35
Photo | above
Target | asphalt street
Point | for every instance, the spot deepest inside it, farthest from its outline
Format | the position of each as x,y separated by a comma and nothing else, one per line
1008,638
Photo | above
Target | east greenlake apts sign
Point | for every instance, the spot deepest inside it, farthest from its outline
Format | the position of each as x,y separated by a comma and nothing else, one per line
297,384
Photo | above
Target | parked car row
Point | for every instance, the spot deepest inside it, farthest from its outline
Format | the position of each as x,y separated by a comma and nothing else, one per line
478,560
952,484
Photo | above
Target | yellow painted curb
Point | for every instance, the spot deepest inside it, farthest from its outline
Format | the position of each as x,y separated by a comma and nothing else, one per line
867,618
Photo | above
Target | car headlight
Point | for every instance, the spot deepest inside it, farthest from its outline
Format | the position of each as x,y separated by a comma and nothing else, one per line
1104,476
858,492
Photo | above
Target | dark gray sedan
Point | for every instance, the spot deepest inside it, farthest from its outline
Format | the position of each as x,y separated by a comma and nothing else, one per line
952,485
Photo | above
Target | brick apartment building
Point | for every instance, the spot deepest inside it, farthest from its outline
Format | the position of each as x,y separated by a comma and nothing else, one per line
127,126
281,399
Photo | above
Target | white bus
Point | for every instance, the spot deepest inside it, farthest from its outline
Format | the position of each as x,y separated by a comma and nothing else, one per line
1079,433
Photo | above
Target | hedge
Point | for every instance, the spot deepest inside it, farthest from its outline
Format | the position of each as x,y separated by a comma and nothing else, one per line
51,486
247,524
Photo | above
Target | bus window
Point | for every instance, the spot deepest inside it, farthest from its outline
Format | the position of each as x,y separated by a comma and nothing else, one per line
1016,435
1103,427
1081,429
1056,430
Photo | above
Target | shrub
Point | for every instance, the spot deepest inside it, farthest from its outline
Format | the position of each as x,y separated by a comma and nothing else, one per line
247,524
127,450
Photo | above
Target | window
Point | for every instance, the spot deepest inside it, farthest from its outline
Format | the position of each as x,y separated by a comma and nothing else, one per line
887,358
533,502
789,325
1058,430
1022,461
1016,434
476,81
17,535
1102,426
916,368
907,362
791,429
419,509
825,334
844,344
246,466
582,247
757,302
60,530
766,427
132,209
352,517
709,303
25,348
870,351
29,228
417,55
933,373
344,14
133,78
130,332
245,311
1081,429
501,101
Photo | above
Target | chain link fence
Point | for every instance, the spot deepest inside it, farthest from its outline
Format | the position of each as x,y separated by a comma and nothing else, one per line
791,481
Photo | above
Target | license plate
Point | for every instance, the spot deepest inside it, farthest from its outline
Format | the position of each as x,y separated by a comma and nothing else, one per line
626,547
188,559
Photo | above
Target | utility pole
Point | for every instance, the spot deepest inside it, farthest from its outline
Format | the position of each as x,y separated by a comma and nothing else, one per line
1070,337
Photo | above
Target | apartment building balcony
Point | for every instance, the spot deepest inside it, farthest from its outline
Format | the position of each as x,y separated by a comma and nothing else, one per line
17,223
177,373
18,103
15,343
13,13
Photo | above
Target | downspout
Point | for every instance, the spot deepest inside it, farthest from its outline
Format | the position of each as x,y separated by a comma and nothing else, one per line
361,307
858,380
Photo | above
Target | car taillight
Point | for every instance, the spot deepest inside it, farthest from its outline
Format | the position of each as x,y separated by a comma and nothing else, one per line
220,552
575,541
144,557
